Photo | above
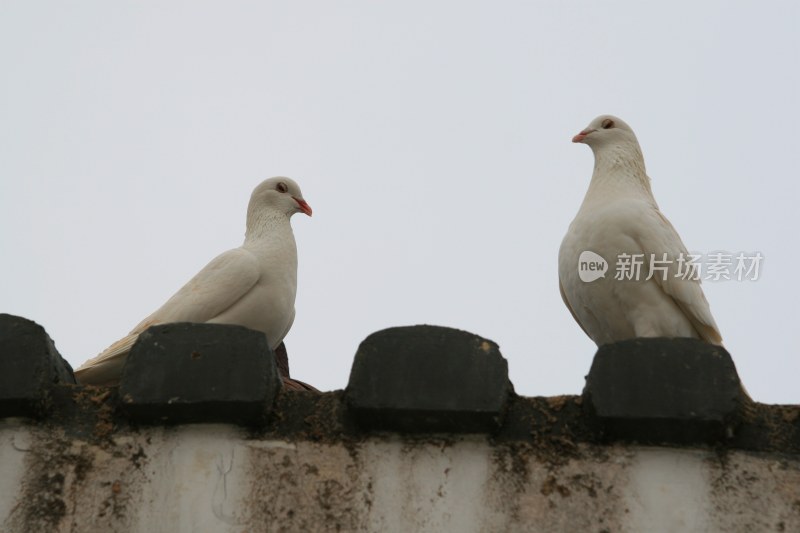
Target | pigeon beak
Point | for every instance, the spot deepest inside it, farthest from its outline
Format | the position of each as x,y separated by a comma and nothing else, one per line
303,205
581,136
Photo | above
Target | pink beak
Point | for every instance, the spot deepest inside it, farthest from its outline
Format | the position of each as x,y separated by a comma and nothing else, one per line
304,207
581,136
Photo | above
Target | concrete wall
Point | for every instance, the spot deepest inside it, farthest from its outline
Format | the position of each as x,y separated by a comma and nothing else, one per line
427,436
219,478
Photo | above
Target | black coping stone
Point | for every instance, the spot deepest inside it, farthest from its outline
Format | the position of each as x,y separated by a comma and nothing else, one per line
185,372
428,379
664,390
30,366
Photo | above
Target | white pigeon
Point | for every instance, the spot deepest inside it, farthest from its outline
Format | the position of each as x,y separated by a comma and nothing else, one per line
620,216
252,286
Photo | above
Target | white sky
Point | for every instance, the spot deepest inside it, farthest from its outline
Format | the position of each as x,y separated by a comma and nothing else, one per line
432,140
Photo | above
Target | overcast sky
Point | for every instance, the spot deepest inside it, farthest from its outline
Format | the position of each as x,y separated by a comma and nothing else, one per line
432,140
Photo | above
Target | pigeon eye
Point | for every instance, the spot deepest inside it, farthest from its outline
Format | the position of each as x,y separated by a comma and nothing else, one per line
607,123
281,187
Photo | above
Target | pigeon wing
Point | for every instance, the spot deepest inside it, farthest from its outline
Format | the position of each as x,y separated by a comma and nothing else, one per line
217,287
658,236
569,307
221,283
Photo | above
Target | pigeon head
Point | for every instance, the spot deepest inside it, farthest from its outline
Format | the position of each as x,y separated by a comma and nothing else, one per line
279,193
606,130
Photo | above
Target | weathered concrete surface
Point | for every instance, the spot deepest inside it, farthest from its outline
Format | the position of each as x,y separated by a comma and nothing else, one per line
14,443
30,366
682,391
218,478
428,379
185,372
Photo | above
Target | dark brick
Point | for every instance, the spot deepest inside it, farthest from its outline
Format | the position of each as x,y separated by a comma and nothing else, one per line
183,372
428,378
664,390
30,366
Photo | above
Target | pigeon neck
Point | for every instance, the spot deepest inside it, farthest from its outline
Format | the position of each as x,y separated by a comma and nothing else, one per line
620,166
264,222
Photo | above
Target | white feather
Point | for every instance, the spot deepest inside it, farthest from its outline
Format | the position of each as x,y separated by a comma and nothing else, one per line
252,286
619,215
